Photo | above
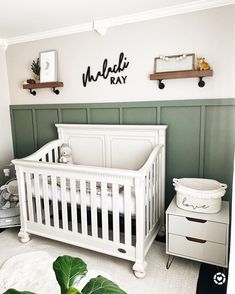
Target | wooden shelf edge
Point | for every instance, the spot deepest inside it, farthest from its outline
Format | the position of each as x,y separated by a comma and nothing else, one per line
181,74
43,85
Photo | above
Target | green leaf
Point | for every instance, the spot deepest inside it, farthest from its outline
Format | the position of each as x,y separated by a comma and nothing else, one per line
101,285
13,291
69,271
73,291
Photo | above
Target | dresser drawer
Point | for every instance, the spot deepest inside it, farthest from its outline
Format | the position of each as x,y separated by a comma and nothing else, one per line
197,228
189,248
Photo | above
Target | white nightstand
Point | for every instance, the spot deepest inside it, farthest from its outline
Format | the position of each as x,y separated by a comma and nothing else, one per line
198,236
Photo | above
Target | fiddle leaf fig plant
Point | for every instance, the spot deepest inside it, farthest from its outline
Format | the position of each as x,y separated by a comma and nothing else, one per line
69,271
13,291
101,285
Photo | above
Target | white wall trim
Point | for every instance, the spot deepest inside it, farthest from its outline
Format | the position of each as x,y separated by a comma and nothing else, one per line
101,26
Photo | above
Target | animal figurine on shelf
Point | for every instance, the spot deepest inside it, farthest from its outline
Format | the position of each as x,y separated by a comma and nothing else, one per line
202,64
65,154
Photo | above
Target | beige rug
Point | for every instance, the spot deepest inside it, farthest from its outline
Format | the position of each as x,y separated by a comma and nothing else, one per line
180,278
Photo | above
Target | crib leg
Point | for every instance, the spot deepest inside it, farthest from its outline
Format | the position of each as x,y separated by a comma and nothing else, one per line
139,269
24,236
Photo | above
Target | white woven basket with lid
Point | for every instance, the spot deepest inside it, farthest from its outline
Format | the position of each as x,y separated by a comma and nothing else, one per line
199,195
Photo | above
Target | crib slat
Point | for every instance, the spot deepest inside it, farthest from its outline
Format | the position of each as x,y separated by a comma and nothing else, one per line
50,156
56,154
158,190
151,197
83,207
116,226
46,199
29,197
147,203
64,203
38,198
104,201
44,158
154,192
55,201
127,210
159,183
94,225
73,205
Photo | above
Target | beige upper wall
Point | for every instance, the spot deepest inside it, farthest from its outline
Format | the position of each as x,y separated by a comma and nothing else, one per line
209,33
6,152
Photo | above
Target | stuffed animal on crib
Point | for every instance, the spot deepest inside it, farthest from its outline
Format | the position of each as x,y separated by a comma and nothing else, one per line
9,196
202,64
65,154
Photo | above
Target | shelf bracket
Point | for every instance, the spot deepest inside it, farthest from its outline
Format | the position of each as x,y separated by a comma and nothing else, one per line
56,91
32,92
201,83
161,85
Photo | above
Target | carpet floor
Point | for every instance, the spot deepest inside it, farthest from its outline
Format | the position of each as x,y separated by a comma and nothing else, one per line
180,278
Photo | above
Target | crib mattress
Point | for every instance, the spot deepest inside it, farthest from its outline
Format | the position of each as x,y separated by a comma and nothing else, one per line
121,202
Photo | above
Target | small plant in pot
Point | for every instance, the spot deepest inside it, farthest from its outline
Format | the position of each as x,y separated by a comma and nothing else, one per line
69,271
35,66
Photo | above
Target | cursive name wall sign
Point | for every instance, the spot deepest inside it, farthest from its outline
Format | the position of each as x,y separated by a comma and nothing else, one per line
107,72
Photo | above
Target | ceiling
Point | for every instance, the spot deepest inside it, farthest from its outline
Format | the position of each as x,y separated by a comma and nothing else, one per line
24,17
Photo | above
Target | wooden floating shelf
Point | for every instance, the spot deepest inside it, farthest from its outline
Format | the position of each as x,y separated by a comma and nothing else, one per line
53,85
43,85
181,74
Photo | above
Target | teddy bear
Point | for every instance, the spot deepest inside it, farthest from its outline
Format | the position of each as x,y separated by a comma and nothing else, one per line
202,64
65,154
9,195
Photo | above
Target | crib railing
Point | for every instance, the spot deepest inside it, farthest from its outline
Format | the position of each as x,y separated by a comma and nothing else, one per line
60,201
49,152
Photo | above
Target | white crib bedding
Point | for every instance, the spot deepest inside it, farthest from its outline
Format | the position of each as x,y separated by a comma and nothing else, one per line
121,204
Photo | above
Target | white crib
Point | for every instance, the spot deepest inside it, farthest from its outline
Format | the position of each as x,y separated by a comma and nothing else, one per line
111,200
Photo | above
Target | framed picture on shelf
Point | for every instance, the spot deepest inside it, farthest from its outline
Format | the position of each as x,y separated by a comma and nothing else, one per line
48,65
174,63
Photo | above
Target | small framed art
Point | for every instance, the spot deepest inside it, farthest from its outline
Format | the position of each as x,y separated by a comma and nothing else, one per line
174,63
48,65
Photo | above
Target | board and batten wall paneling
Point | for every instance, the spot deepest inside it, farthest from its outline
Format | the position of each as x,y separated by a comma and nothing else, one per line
45,125
23,132
183,142
74,116
219,137
200,134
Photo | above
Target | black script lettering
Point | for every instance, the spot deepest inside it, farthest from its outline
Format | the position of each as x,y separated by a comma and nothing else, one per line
124,79
112,80
118,81
121,66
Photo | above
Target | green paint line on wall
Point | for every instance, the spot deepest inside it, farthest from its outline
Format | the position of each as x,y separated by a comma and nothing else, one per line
198,102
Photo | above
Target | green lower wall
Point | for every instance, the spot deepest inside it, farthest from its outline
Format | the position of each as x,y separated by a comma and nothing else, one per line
200,134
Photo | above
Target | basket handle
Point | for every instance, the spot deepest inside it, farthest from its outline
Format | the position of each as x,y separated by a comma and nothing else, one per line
223,186
175,180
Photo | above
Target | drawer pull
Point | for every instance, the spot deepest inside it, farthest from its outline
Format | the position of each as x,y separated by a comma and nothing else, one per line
195,240
197,220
